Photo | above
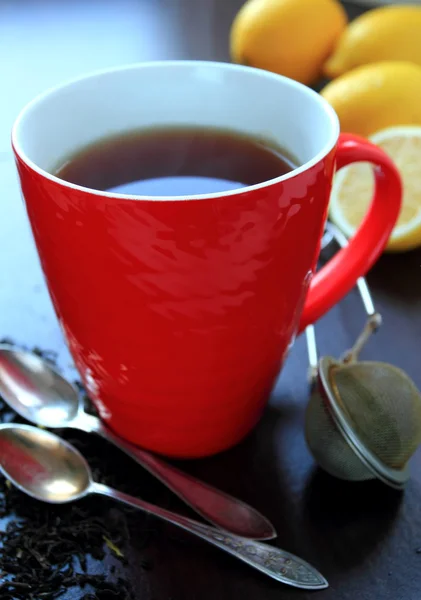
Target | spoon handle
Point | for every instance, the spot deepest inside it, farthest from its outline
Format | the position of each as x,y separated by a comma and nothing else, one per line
272,561
215,506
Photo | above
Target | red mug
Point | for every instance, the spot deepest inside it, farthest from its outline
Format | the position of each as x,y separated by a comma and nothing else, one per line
179,311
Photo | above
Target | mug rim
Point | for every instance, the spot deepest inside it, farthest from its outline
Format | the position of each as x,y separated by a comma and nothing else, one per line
325,106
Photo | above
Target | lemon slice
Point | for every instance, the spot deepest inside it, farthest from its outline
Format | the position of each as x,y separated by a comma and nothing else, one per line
353,188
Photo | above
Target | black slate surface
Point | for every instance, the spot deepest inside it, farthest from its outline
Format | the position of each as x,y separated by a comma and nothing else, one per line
365,538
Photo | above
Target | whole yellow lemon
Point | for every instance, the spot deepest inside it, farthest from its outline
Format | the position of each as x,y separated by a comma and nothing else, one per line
289,37
386,33
376,96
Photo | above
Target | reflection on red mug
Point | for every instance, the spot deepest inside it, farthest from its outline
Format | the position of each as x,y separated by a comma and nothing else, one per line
179,348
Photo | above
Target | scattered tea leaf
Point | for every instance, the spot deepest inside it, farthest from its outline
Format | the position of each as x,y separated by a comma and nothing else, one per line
113,547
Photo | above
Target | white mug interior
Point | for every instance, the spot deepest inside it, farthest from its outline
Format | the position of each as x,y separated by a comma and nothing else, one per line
175,93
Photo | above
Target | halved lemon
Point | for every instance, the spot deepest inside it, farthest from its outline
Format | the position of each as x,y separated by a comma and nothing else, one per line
353,188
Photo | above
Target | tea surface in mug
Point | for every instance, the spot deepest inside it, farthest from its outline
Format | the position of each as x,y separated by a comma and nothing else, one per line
175,161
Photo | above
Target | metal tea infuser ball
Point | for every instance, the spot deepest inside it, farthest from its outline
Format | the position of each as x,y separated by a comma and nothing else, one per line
363,420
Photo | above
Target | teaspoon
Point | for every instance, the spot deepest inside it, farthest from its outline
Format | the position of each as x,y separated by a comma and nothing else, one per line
50,469
40,394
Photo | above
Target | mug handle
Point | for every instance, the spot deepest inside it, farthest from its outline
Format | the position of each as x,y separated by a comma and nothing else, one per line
340,274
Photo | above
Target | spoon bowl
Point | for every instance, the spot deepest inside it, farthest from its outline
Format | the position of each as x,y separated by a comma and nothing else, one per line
35,390
43,465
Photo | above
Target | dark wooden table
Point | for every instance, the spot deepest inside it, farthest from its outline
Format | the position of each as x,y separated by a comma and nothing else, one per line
363,537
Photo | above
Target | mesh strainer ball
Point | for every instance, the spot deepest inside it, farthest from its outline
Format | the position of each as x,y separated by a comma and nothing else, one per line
364,421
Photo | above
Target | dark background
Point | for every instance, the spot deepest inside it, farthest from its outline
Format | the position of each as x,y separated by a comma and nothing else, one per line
363,537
